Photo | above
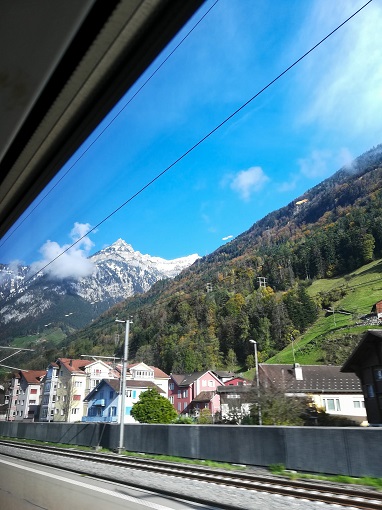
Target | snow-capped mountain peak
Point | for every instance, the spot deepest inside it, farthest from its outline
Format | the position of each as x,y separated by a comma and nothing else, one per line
119,272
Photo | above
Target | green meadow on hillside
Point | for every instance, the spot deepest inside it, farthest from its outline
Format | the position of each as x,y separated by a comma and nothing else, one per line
360,291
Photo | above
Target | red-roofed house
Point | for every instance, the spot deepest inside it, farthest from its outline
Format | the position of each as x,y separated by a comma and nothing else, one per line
67,383
189,393
143,372
25,395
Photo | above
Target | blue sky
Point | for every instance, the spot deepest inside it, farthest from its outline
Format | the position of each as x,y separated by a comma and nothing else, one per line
311,122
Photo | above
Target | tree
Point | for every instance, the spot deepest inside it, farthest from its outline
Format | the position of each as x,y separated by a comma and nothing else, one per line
205,417
231,360
153,408
277,408
250,361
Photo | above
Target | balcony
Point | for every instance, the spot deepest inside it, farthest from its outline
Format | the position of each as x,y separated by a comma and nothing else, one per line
99,402
103,419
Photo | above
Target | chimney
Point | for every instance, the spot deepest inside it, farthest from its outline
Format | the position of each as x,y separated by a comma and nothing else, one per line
298,372
71,363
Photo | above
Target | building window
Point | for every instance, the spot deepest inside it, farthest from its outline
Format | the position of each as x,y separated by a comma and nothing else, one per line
185,394
111,395
76,397
75,410
171,386
179,394
332,404
179,406
134,394
171,399
78,384
128,393
356,404
211,383
33,391
184,405
32,402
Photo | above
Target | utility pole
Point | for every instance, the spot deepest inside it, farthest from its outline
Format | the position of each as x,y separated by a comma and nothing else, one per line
123,385
257,380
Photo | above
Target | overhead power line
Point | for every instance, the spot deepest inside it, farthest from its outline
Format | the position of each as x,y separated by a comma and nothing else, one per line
201,140
111,121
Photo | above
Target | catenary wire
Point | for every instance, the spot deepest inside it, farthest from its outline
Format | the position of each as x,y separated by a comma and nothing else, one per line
111,121
197,144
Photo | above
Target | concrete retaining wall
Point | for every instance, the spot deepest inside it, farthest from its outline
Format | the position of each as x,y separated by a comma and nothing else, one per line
347,451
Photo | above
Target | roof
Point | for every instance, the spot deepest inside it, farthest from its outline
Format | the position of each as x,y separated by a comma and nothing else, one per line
316,379
158,373
74,365
115,385
187,379
240,378
204,396
235,389
368,343
223,373
33,376
63,78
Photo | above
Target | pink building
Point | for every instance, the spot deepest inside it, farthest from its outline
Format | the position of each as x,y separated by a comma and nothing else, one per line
189,393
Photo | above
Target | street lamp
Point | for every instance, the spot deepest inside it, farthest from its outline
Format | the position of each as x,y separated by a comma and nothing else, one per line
257,379
123,385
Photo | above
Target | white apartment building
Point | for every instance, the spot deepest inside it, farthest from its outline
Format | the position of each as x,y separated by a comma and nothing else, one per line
25,395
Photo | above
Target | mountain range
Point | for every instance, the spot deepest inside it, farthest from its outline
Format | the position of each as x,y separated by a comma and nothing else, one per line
32,302
256,286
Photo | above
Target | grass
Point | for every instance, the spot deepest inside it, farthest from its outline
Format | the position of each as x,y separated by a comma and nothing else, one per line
55,336
276,469
164,458
279,469
363,289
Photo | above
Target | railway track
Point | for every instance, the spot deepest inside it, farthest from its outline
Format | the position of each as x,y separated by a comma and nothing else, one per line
313,491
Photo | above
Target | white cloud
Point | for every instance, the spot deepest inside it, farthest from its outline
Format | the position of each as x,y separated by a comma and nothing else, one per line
322,163
226,238
249,181
342,79
72,262
316,165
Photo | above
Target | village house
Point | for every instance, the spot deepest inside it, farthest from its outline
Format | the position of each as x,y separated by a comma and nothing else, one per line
143,372
67,383
377,310
337,393
104,401
366,363
190,393
4,401
235,401
25,395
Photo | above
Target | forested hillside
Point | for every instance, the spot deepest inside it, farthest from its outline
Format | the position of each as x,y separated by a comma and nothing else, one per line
204,318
